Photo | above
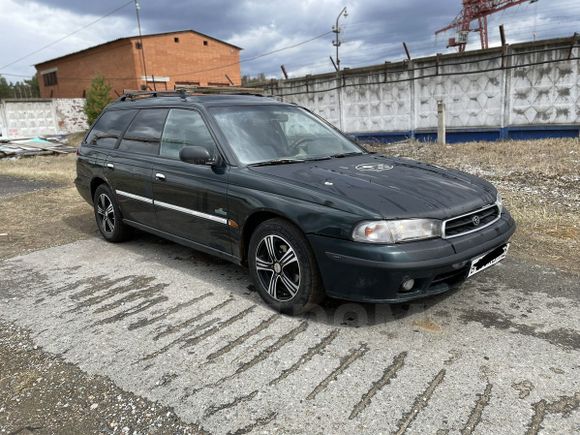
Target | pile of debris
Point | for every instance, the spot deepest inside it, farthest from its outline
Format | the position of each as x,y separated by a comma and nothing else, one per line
35,146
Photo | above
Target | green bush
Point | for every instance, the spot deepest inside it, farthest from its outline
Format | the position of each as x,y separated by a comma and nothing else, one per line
98,96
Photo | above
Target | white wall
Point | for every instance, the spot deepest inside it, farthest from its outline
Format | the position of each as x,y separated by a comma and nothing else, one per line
38,117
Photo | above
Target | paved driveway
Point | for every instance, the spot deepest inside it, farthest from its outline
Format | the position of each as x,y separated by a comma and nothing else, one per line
501,355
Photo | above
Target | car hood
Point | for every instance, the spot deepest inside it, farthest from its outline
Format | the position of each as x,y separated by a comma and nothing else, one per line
389,187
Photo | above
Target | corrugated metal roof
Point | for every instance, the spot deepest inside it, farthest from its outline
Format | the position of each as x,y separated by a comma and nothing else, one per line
136,37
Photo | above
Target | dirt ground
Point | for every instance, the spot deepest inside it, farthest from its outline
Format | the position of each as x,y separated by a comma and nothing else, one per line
52,396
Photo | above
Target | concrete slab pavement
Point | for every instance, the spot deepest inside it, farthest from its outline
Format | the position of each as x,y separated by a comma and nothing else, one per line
500,355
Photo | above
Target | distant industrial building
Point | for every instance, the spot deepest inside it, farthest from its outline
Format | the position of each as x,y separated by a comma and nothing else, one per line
171,59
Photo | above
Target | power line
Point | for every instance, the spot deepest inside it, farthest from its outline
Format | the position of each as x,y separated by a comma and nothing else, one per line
66,36
252,58
248,59
427,76
442,73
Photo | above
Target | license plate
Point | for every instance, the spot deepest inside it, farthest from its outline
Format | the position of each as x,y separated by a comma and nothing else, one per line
488,259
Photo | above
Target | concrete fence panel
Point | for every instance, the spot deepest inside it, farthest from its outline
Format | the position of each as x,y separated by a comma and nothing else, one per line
525,90
41,117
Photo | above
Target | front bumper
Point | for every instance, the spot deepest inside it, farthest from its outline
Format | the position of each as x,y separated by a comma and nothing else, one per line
373,273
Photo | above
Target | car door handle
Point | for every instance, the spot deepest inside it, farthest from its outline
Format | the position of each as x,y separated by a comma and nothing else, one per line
110,166
160,176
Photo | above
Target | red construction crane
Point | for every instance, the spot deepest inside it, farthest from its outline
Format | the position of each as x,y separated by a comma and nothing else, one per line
476,10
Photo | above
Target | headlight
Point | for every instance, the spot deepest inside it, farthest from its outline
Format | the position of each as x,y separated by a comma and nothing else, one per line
499,202
397,230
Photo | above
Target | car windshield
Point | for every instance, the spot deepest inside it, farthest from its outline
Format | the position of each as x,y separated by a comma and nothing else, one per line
279,134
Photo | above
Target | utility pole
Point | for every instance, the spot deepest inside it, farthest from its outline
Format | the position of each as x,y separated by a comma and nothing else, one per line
337,42
137,9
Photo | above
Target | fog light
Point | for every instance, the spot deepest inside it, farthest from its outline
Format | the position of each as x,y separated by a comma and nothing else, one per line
407,284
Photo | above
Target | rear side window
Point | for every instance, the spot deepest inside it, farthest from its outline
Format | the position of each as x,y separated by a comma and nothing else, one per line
109,127
144,133
185,128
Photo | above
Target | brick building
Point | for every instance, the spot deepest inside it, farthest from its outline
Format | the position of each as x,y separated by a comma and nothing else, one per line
172,59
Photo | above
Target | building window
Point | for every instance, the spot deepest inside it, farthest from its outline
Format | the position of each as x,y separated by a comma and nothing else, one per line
50,79
138,45
176,39
204,42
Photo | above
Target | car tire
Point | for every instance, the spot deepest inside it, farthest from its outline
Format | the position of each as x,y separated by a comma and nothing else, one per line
283,267
108,215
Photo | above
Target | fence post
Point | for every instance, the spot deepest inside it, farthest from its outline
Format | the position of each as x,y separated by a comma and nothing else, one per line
339,98
412,99
506,101
441,122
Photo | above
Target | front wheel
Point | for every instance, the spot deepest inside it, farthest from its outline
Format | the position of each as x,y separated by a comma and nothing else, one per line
108,215
283,267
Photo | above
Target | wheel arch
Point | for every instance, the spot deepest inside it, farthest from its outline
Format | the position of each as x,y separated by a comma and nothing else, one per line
95,183
250,225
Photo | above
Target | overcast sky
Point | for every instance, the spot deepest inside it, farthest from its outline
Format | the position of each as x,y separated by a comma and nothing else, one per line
372,32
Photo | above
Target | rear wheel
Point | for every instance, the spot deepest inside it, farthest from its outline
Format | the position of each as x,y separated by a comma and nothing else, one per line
108,215
283,267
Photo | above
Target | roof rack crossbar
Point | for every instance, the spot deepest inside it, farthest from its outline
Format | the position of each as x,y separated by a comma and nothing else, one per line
185,91
134,95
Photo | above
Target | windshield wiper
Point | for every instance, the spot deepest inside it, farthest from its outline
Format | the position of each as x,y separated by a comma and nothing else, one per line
315,159
277,162
352,153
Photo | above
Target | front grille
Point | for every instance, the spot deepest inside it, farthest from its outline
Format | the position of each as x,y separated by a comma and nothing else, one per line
471,222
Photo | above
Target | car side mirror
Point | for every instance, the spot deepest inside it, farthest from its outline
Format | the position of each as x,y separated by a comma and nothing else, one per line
195,155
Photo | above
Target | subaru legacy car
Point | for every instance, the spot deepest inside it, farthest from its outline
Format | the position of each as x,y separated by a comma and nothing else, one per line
276,188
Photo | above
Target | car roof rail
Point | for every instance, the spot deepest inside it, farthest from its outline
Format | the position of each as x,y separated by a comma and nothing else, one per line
192,90
136,95
221,90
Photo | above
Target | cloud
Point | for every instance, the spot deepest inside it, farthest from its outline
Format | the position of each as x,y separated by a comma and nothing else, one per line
26,26
372,33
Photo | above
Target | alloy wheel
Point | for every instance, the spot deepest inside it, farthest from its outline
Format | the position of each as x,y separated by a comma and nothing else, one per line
278,268
106,213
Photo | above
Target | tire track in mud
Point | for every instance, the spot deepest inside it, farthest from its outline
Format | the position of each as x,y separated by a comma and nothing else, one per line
477,411
172,329
264,324
345,362
564,405
135,283
144,292
179,340
146,321
263,354
221,326
389,373
310,353
143,306
419,403
214,409
260,422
